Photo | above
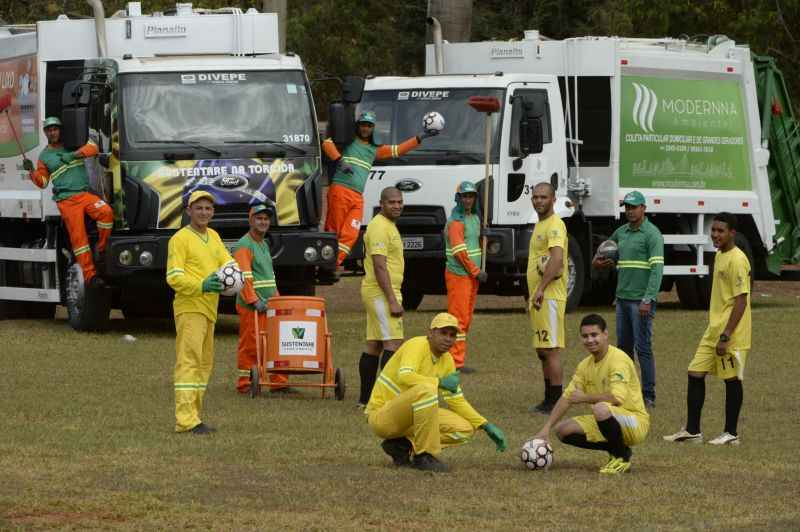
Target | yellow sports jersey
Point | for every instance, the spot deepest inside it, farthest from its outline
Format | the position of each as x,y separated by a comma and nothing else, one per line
412,364
383,238
615,373
548,233
731,278
193,257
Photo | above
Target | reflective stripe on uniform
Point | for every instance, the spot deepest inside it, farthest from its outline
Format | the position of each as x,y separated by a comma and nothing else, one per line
424,403
635,264
174,271
104,225
357,162
62,169
386,381
80,251
264,284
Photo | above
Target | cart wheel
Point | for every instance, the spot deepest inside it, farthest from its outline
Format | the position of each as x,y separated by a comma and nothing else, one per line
340,388
255,388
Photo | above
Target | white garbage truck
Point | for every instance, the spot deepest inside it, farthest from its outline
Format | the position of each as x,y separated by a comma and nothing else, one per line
177,101
597,117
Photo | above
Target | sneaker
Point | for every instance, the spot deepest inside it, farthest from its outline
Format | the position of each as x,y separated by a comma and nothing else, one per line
682,436
428,462
361,406
615,466
726,438
542,408
202,428
399,449
650,404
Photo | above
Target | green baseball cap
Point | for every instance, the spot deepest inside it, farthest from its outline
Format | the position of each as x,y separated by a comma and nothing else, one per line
367,116
467,187
51,121
633,198
255,209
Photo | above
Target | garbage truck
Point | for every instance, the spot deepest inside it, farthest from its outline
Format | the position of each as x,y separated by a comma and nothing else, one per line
698,128
177,101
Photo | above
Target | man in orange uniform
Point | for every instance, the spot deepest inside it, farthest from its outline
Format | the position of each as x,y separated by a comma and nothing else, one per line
71,193
345,200
462,271
252,254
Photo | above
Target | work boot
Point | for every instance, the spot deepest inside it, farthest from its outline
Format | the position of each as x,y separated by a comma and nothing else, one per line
399,449
428,462
202,428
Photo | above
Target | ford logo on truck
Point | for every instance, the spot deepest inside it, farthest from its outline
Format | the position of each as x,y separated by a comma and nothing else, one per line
408,185
230,182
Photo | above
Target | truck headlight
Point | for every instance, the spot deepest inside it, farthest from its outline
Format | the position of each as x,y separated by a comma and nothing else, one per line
146,258
327,252
125,257
494,247
310,254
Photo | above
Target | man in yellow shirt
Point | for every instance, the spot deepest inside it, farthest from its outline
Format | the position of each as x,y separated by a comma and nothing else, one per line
547,289
404,406
607,380
380,289
726,342
195,253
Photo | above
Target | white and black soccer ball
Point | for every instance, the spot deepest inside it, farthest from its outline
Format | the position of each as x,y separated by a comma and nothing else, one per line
231,278
608,249
536,454
433,121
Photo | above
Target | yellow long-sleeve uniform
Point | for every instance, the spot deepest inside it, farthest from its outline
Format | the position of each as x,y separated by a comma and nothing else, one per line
193,257
405,401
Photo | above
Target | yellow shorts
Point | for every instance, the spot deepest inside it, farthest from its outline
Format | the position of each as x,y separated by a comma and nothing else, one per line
548,324
634,427
381,325
729,366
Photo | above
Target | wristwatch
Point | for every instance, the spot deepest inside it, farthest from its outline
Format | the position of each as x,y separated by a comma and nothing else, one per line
647,301
724,338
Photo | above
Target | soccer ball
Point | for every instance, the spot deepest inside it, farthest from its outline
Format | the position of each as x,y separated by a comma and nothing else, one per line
433,121
537,455
608,249
231,278
541,265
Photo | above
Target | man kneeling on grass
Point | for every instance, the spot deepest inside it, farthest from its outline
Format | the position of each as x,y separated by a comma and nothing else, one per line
404,406
608,381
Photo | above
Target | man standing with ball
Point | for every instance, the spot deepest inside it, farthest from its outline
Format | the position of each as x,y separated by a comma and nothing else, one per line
195,253
639,271
253,256
547,289
606,380
345,200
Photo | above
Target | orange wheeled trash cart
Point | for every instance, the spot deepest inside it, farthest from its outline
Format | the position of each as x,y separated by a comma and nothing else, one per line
296,342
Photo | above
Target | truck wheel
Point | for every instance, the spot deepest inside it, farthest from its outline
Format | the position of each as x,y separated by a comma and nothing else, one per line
687,292
577,275
411,298
87,308
39,311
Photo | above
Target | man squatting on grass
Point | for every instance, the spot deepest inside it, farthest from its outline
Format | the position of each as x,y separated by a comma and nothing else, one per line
195,253
404,406
726,342
606,380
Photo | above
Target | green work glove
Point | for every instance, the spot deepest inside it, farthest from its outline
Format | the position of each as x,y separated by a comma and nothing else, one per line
497,436
67,157
27,164
261,305
212,284
450,382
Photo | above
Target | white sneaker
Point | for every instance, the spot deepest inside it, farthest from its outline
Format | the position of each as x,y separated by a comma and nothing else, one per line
725,439
682,436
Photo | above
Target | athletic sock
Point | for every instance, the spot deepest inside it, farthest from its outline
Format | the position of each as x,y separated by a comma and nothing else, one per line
546,389
695,396
612,432
387,355
367,369
579,440
553,393
734,394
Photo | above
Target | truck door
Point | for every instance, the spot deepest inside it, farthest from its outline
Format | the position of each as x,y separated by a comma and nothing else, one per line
517,175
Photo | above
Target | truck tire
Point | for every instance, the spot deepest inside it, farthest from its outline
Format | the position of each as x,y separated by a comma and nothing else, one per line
88,309
687,292
577,274
39,311
411,298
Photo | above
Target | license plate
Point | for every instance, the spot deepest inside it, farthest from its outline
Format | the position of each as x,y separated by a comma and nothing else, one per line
414,242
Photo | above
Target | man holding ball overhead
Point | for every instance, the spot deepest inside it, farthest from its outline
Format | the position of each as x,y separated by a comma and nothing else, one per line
195,253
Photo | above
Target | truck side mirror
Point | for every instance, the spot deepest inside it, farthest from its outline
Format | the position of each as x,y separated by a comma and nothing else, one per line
341,123
352,89
75,114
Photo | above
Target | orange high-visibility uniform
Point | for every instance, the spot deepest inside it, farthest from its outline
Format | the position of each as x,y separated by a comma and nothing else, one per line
462,287
345,199
70,190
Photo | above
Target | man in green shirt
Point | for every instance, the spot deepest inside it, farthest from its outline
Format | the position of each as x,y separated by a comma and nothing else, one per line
639,270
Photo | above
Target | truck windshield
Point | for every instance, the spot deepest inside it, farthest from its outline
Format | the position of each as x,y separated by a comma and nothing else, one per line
220,112
399,116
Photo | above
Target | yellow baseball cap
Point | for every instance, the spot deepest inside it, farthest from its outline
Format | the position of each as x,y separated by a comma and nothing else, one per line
443,319
200,194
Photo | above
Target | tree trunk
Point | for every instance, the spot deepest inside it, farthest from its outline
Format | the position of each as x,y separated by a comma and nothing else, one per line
455,16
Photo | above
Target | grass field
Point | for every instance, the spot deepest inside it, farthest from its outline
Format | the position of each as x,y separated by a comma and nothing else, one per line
86,438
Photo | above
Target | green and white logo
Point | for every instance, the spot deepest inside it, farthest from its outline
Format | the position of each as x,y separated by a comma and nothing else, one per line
681,133
298,333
